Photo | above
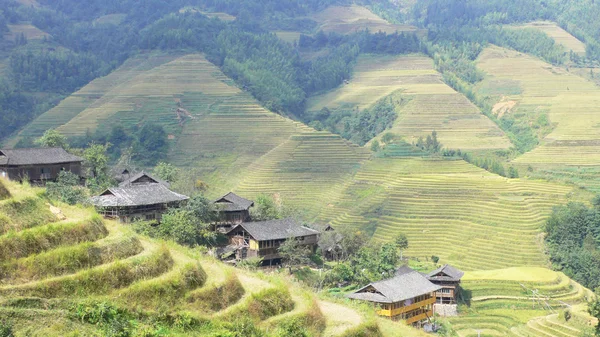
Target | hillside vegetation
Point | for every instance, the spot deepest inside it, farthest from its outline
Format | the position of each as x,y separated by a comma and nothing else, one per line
103,279
562,103
431,104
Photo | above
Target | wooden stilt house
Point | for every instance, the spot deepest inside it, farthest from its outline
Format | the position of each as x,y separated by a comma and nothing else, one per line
140,197
408,296
448,278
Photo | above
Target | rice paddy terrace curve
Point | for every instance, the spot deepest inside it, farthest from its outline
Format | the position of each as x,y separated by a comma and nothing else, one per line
214,127
146,276
522,302
465,215
571,103
433,105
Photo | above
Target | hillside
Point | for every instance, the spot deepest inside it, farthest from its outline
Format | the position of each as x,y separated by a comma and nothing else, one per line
537,90
353,18
560,35
220,131
432,105
56,274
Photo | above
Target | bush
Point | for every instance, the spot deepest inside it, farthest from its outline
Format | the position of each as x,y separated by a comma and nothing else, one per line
270,302
218,297
4,193
36,240
6,329
67,189
364,330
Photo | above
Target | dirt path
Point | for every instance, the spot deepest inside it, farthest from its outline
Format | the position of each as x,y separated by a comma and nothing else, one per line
339,318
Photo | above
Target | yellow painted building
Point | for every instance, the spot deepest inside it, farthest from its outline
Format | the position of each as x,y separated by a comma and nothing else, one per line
407,296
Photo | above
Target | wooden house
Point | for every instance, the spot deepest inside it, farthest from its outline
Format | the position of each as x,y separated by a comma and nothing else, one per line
38,165
448,278
262,239
408,296
140,197
233,209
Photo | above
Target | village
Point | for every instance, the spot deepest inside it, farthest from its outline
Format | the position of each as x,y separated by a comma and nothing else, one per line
408,295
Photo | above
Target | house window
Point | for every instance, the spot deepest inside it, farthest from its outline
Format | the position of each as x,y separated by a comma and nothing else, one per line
45,173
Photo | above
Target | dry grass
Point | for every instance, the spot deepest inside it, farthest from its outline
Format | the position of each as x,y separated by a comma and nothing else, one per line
217,297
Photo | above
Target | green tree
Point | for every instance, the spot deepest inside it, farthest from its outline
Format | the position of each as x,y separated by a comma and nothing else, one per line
266,208
401,242
294,253
388,138
167,172
53,138
375,147
96,159
67,189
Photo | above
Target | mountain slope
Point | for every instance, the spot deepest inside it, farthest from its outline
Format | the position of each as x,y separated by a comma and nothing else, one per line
432,105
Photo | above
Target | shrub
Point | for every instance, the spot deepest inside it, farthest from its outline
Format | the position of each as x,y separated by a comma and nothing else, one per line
67,189
218,297
23,214
270,302
4,193
68,259
364,330
100,280
36,240
164,294
6,329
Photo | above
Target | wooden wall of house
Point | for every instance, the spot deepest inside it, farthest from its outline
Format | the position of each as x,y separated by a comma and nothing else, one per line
41,172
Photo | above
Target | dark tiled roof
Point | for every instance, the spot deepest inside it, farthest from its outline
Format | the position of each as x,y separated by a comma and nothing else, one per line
136,179
409,284
137,195
37,156
232,202
446,273
275,229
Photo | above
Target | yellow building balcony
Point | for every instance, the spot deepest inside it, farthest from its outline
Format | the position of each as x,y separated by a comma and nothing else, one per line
402,310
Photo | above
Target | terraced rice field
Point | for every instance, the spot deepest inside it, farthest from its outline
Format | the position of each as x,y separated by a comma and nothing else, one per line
224,132
432,105
467,216
559,35
354,18
308,171
571,103
139,273
502,304
31,32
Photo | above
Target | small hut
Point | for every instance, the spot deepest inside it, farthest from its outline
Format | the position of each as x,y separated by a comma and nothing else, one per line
233,210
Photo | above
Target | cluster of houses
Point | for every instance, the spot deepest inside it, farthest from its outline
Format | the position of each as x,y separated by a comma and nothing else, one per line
409,295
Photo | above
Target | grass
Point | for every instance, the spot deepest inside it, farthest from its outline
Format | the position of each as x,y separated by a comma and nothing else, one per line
97,281
432,105
36,240
4,192
30,212
66,260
